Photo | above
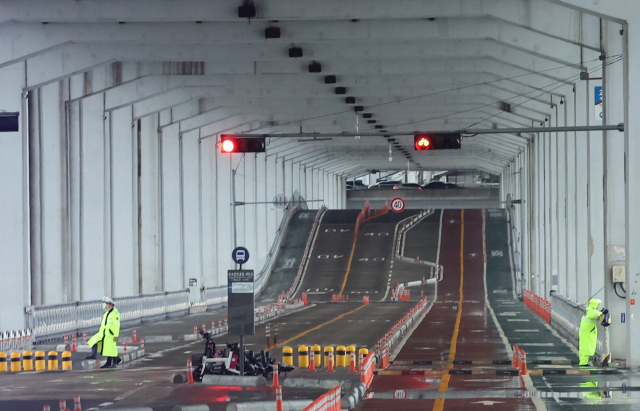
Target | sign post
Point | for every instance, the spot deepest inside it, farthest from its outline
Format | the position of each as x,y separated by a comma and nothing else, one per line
241,304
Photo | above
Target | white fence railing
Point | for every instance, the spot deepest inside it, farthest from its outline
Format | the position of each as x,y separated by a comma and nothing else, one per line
53,321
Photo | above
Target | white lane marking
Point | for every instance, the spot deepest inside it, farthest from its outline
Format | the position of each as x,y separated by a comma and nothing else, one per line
527,331
508,314
536,345
537,402
104,404
518,319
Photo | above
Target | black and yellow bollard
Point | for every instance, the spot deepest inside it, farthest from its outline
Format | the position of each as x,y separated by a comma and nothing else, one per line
351,349
287,355
327,350
66,361
15,362
52,361
317,355
303,356
40,363
364,352
341,356
3,361
27,360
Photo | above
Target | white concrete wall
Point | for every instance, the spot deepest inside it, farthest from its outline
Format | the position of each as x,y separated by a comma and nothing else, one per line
96,202
575,196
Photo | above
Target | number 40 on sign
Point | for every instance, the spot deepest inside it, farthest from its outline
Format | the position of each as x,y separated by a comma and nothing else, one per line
397,204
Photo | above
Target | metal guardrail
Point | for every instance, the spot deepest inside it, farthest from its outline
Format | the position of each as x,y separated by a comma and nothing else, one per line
565,318
215,296
53,321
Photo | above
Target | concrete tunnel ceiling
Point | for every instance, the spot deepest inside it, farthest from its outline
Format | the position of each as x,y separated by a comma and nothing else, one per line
411,65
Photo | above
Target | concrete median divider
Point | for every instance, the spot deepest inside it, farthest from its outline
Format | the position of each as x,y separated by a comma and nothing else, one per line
311,383
125,358
197,407
291,405
235,380
147,339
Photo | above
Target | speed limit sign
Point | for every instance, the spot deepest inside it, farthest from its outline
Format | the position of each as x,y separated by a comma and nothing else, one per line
397,204
399,394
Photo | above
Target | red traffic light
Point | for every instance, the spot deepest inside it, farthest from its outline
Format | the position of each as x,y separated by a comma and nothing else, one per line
442,141
228,146
231,144
422,142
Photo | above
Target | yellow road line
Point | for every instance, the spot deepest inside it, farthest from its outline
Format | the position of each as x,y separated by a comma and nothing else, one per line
444,383
353,249
315,328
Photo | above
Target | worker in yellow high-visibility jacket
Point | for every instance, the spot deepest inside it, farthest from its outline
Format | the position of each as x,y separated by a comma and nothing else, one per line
589,330
106,339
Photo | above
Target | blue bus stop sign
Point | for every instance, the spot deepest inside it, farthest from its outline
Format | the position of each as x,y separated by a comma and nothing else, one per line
240,255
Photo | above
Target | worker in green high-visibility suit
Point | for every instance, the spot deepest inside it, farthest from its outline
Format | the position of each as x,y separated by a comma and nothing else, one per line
106,339
589,330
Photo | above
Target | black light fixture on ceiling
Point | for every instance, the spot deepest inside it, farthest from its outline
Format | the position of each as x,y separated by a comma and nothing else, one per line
372,121
247,11
358,108
330,79
315,67
378,127
341,90
350,100
367,115
295,52
272,32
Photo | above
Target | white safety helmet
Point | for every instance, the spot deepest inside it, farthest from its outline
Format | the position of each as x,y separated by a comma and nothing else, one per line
106,300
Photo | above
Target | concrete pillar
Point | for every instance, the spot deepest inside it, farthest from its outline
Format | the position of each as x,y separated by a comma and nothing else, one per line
596,198
92,199
631,90
171,233
14,228
561,200
262,210
123,222
614,251
571,206
225,214
210,214
191,216
582,199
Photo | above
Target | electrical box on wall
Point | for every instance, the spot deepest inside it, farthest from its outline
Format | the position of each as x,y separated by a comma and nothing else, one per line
618,273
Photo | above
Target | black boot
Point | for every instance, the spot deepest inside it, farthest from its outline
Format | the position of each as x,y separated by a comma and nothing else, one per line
94,352
109,363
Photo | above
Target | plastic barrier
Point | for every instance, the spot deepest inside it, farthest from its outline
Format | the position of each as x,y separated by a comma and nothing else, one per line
519,361
340,298
327,402
303,356
391,338
3,362
367,367
538,304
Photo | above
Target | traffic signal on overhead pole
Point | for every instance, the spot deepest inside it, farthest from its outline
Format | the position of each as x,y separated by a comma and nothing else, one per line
439,141
230,144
